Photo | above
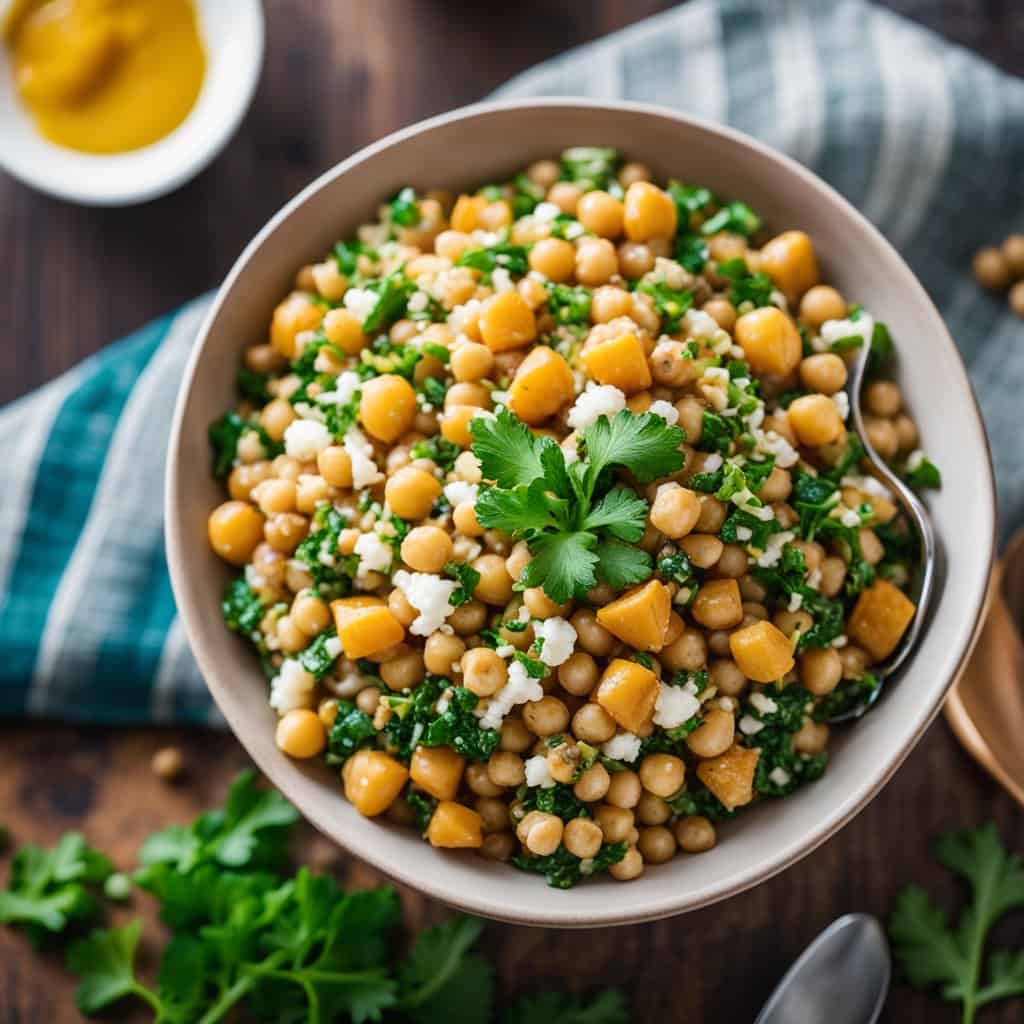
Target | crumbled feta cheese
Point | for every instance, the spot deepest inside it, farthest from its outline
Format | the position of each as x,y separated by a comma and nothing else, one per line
460,315
501,280
374,554
574,230
520,688
712,462
842,404
598,400
499,397
345,388
796,602
776,298
763,703
666,410
672,273
430,595
727,704
840,641
768,442
351,684
914,459
559,639
505,651
674,706
849,517
773,552
538,773
360,302
779,776
716,375
546,212
364,470
814,578
868,484
744,533
750,726
293,687
458,491
699,324
624,746
443,702
833,330
332,645
418,302
306,439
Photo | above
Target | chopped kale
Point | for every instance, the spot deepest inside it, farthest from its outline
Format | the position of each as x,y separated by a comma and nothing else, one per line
352,729
242,609
562,870
558,799
332,572
813,498
423,806
677,568
467,578
699,801
225,434
569,305
849,694
316,658
457,727
740,522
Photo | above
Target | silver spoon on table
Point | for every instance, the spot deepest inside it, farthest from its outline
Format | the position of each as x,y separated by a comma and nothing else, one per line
917,514
842,977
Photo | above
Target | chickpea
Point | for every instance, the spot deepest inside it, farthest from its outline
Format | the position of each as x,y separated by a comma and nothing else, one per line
592,724
411,492
821,303
310,614
883,398
592,637
234,529
662,774
670,366
441,651
495,586
593,784
718,642
564,761
582,838
368,700
544,173
725,675
833,575
404,671
624,789
494,816
565,196
264,359
515,736
327,711
540,606
631,866
275,495
546,717
633,171
540,833
689,652
468,618
471,361
519,558
811,738
648,212
275,418
483,671
555,258
168,763
608,303
793,622
657,844
824,372
815,420
426,549
991,268
722,311
301,734
712,514
615,822
675,511
695,834
718,605
777,487
1016,299
244,479
470,393
635,260
596,262
335,466
652,810
480,783
1013,252
871,548
344,330
882,436
387,407
714,736
732,563
505,768
855,661
464,518
600,213
906,433
498,846
820,669
578,674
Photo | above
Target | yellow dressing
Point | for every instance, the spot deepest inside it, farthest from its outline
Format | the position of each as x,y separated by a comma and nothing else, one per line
106,76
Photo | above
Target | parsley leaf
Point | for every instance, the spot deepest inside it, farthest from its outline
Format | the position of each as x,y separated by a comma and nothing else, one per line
404,209
564,564
622,565
671,305
105,961
316,659
646,444
621,512
736,217
393,292
510,257
924,474
438,449
692,252
467,577
745,285
933,954
351,730
508,451
568,304
591,167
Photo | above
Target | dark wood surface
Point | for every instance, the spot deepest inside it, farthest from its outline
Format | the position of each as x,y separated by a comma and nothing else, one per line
338,75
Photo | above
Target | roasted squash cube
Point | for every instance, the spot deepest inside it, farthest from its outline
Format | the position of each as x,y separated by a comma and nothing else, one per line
438,770
365,626
880,618
730,776
455,826
762,652
640,617
372,781
628,692
507,322
542,385
620,362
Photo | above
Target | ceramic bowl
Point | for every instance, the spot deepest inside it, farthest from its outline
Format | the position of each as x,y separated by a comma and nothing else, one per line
232,33
480,144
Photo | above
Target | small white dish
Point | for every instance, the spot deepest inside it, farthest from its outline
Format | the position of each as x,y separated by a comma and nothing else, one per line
233,35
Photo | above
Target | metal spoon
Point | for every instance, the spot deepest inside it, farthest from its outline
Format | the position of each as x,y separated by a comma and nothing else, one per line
915,511
842,977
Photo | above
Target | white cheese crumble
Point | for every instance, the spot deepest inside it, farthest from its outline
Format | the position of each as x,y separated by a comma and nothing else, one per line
521,688
559,639
699,324
546,212
364,470
773,552
674,706
624,746
418,302
796,602
306,439
750,726
850,517
763,703
293,687
332,645
744,533
460,315
538,773
598,400
768,442
374,554
458,491
914,459
842,403
779,776
712,462
501,280
350,685
345,388
430,595
833,330
666,410
360,302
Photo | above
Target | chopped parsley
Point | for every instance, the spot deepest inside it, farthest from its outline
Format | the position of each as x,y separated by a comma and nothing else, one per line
351,730
744,284
439,450
790,577
568,304
225,434
736,217
925,474
671,305
332,572
563,870
404,210
590,167
467,578
316,659
509,257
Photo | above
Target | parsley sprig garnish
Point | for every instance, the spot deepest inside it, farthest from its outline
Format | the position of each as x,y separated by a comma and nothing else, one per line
580,525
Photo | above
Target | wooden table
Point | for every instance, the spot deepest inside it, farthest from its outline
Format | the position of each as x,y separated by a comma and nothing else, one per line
337,76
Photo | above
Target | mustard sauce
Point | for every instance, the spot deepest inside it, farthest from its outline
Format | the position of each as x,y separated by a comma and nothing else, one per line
106,76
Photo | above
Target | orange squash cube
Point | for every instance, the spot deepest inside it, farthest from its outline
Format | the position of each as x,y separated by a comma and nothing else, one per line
730,776
455,826
438,770
640,617
507,322
620,362
880,618
542,385
365,626
372,781
628,692
762,652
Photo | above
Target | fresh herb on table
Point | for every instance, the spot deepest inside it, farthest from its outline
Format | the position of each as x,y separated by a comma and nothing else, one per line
249,937
579,527
936,955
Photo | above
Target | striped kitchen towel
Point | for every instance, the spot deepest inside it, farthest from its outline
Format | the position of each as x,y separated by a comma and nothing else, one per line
925,138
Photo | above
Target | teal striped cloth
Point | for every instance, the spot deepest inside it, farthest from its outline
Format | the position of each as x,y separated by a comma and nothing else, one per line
925,138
